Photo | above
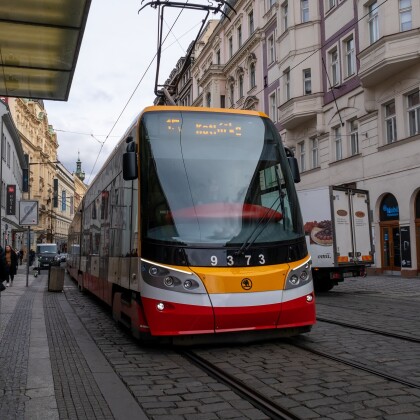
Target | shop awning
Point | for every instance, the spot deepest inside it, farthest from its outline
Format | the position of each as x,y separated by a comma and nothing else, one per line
39,45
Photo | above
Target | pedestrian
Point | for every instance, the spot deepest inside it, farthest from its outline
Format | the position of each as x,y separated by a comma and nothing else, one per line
31,257
21,253
3,270
11,264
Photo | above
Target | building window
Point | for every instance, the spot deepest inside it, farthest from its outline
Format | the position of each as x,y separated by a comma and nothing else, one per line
252,75
414,113
314,153
230,43
390,122
3,147
270,4
273,107
350,57
232,94
208,100
334,68
241,86
271,50
239,32
8,154
307,82
373,22
354,138
405,15
63,200
222,101
338,143
286,77
284,13
251,22
218,57
330,4
304,10
302,156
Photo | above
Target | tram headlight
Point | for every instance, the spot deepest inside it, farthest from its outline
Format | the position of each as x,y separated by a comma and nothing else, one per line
188,284
299,276
168,281
294,280
304,275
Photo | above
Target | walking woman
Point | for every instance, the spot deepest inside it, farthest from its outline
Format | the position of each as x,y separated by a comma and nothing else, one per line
11,264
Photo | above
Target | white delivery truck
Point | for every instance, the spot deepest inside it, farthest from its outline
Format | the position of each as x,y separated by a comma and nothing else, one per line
338,233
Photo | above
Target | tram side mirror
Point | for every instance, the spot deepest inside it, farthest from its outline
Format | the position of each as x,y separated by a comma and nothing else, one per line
294,168
130,161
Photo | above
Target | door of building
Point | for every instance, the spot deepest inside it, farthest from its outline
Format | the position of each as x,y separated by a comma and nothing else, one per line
391,247
418,245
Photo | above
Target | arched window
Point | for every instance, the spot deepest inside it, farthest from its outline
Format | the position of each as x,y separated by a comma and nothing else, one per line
241,86
232,94
252,75
389,209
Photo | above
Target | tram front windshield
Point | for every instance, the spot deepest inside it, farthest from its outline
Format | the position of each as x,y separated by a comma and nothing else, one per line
215,179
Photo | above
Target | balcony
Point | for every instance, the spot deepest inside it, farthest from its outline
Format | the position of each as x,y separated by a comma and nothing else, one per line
213,71
298,111
389,56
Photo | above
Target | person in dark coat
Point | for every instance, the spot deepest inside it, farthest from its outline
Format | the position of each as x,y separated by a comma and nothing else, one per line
3,271
11,259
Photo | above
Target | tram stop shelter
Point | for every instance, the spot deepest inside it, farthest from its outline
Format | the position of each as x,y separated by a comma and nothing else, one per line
39,45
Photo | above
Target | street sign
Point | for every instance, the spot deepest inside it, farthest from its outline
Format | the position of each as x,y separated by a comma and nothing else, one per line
28,212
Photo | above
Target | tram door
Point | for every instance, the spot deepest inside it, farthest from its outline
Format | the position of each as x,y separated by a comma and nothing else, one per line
391,248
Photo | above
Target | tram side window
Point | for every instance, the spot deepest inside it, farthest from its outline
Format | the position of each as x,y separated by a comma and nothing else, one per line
105,223
85,231
121,200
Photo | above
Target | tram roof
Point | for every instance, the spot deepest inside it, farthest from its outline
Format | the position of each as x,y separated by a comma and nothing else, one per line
164,108
39,46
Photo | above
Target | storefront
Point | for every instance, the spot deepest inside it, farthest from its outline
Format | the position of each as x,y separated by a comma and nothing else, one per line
390,234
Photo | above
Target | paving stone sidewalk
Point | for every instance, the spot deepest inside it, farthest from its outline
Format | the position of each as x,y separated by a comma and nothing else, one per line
50,368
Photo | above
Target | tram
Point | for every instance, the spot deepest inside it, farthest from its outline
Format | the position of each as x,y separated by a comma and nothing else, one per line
192,229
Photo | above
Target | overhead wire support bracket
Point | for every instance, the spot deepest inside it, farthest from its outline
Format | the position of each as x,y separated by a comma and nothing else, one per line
221,7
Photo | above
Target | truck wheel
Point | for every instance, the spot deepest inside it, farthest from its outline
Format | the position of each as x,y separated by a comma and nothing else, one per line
323,286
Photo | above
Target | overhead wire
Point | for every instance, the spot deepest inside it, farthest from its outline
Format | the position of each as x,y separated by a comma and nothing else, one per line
131,96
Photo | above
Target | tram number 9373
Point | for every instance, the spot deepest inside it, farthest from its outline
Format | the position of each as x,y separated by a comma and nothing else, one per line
230,260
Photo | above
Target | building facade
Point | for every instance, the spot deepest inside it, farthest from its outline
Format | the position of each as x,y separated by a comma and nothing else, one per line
341,80
11,163
56,189
350,108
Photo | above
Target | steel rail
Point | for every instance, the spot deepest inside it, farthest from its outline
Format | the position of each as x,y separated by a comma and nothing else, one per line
356,365
258,400
368,329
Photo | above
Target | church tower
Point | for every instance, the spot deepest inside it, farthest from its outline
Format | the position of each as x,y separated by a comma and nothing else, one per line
79,173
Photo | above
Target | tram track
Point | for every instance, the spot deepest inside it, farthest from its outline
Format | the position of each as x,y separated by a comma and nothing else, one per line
369,329
265,404
356,365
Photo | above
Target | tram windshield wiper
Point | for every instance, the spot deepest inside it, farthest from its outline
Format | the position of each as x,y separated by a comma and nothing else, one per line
249,242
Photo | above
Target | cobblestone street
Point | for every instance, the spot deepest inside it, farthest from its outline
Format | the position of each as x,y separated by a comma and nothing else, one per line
63,357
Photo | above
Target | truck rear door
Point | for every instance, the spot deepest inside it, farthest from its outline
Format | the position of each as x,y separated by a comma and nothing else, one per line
350,209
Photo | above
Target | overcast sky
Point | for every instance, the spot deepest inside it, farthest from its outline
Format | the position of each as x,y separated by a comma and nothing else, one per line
118,46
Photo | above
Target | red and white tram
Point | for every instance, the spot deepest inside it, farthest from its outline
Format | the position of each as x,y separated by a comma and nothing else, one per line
192,229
